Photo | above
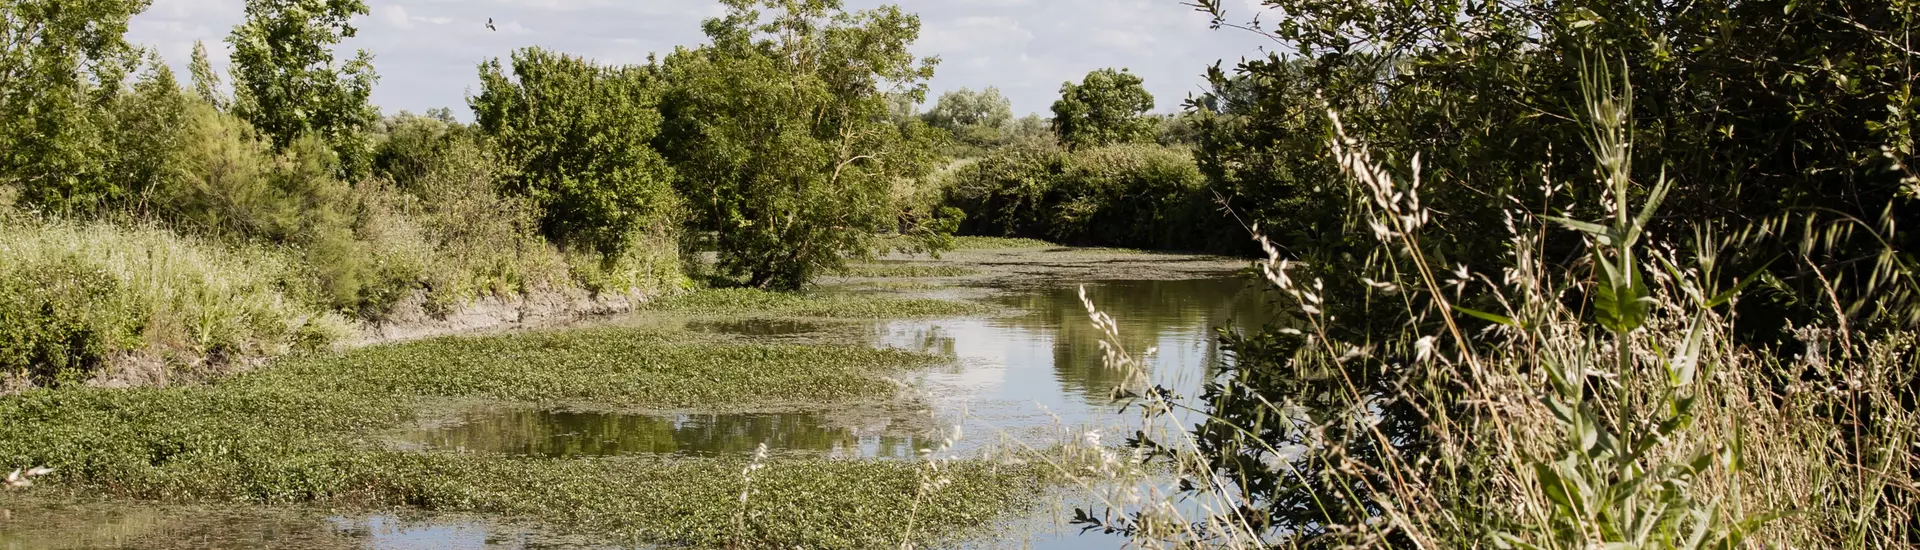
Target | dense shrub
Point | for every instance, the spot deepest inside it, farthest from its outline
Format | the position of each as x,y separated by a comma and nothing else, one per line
62,319
74,296
576,138
1139,196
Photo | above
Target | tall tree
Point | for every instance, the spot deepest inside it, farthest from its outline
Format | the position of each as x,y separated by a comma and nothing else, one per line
206,82
1107,107
979,118
780,133
577,137
61,64
287,83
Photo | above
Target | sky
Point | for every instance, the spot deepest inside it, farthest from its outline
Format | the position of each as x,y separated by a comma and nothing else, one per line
426,51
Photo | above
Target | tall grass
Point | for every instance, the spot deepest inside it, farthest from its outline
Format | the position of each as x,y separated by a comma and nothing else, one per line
78,296
1602,403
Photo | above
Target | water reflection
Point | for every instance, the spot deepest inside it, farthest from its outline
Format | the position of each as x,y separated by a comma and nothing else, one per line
34,524
558,434
1043,368
1022,376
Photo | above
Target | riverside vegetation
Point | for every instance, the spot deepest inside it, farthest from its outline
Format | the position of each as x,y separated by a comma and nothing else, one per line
1560,274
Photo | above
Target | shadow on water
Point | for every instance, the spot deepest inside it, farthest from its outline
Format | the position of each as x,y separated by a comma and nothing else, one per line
561,434
757,327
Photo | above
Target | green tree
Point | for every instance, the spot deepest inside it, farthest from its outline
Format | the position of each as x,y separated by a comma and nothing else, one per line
977,118
1107,107
287,84
780,133
576,136
148,132
61,65
1787,123
206,82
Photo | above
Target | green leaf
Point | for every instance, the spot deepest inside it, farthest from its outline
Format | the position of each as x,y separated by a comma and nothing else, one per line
1598,231
1620,299
1739,286
1501,319
1646,210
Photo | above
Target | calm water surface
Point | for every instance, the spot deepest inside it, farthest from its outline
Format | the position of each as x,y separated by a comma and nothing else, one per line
1030,378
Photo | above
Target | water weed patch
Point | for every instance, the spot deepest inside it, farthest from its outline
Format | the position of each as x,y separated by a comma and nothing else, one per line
609,366
745,302
253,445
907,271
305,431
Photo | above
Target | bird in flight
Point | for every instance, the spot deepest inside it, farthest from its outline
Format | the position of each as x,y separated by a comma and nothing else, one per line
490,24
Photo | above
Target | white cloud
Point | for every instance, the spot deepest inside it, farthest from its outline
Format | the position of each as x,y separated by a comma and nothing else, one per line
396,15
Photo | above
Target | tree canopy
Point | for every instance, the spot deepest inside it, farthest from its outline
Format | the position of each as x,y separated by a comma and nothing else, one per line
287,84
61,63
978,117
577,137
781,136
1107,107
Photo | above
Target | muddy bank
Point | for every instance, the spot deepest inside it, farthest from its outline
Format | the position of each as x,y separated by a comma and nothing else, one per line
412,319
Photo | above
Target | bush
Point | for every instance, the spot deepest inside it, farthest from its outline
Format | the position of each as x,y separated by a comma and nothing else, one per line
75,297
1008,194
1138,196
62,319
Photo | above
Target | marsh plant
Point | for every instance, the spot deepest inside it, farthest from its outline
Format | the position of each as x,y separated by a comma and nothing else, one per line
1603,402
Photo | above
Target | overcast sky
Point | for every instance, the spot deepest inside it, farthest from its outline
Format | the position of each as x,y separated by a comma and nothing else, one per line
426,50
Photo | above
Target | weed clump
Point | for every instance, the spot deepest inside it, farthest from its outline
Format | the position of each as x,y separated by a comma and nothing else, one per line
758,303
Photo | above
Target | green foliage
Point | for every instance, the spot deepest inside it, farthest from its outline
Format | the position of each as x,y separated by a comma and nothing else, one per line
576,137
781,136
904,271
61,63
1133,196
482,243
978,119
997,243
250,443
206,83
148,123
287,84
1261,141
610,366
1108,107
408,146
1136,196
1757,124
63,322
75,298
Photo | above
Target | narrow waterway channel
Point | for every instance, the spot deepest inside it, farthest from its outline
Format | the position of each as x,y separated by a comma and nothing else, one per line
1030,375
